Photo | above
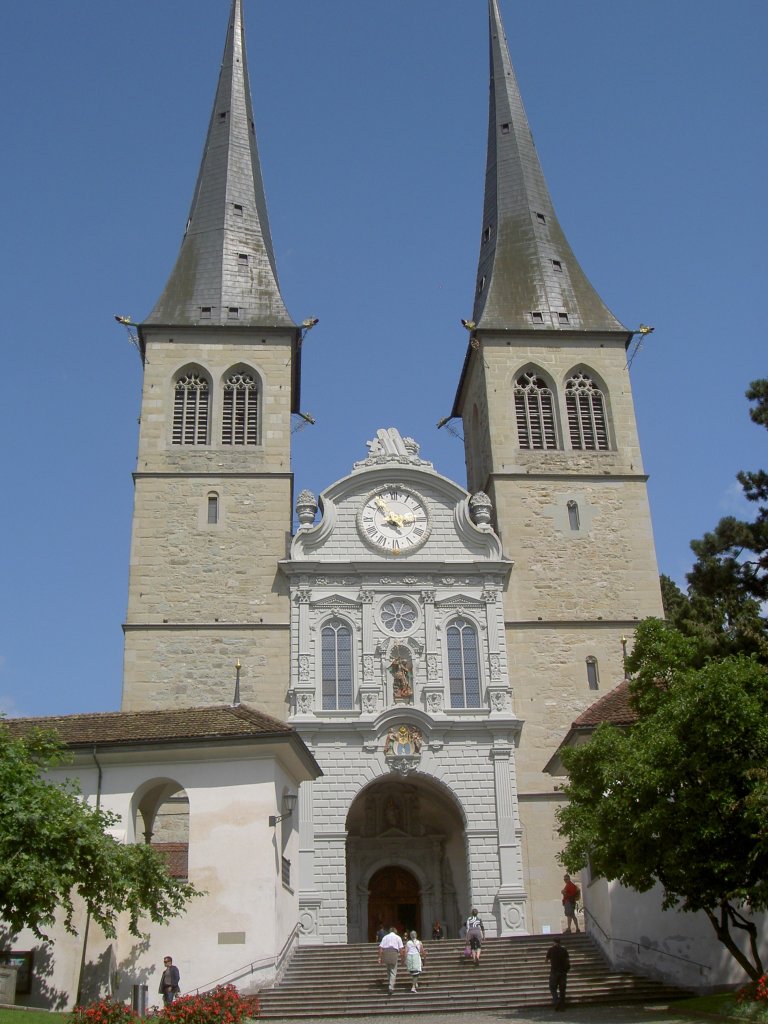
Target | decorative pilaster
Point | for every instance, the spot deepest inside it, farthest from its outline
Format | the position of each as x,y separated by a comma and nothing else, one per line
511,894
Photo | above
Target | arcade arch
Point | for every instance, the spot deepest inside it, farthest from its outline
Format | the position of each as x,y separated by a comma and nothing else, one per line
406,857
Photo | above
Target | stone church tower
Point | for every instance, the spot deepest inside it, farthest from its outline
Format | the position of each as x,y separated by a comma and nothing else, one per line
430,643
213,484
550,435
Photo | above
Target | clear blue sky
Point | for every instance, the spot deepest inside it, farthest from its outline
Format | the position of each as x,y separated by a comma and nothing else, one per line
650,123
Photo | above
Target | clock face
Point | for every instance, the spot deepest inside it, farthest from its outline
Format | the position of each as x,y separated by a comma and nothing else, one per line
393,521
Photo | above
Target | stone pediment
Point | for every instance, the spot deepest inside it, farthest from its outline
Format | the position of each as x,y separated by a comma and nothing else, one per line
394,511
335,601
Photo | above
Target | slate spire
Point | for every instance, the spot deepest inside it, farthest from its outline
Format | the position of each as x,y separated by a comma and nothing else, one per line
225,272
527,275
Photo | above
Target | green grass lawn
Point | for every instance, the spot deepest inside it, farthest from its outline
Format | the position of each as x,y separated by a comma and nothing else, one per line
32,1017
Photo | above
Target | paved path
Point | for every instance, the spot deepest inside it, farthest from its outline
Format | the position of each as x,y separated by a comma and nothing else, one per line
651,1014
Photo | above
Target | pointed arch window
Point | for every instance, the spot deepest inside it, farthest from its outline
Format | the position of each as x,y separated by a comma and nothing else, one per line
535,413
337,666
463,664
586,414
191,401
240,411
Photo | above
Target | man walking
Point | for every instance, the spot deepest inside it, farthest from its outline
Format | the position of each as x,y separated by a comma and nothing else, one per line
559,965
390,954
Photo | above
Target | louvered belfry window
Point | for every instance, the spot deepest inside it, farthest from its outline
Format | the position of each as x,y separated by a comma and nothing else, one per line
190,409
586,414
535,413
240,415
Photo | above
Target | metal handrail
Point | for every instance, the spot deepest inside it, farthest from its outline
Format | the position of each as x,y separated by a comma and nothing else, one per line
239,972
632,942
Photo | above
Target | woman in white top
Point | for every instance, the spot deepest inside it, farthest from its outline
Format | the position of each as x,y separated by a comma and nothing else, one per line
414,958
475,935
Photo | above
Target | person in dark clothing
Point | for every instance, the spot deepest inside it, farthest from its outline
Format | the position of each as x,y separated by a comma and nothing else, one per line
169,981
559,965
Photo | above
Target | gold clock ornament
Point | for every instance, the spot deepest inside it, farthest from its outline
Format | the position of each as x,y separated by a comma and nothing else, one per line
394,521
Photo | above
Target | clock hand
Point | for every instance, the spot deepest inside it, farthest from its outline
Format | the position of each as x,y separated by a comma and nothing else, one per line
382,505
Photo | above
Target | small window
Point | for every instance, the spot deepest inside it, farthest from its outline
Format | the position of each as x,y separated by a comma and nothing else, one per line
233,313
480,286
213,509
238,209
557,266
505,128
538,318
486,234
223,115
573,515
242,258
593,677
285,872
541,218
563,318
205,312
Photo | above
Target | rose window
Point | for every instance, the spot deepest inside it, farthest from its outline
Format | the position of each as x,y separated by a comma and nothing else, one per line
398,616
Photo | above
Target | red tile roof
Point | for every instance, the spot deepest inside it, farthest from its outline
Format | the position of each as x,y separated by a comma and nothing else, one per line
613,707
162,725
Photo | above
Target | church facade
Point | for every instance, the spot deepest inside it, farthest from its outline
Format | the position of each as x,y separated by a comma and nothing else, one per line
430,642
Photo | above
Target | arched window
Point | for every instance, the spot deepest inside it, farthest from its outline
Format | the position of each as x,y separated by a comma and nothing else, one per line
337,666
463,664
240,412
535,412
191,394
593,676
574,520
212,510
586,414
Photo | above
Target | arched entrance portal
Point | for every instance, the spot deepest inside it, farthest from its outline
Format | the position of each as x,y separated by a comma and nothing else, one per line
393,899
406,857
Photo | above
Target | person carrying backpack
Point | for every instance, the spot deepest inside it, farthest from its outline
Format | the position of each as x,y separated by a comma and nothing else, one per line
571,894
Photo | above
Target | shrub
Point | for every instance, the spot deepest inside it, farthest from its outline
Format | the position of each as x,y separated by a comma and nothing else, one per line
223,1005
106,1011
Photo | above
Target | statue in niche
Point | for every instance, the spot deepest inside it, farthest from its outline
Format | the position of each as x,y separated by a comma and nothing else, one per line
401,668
392,815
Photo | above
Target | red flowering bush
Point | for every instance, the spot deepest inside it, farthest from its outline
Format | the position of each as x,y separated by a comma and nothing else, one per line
106,1011
223,1005
752,1001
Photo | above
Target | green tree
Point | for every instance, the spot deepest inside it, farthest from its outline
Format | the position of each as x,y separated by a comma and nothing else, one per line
728,584
54,846
680,797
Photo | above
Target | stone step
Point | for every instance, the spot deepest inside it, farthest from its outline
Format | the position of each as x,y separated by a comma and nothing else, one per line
346,980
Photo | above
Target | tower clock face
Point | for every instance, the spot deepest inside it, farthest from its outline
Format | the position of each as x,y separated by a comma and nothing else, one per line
394,521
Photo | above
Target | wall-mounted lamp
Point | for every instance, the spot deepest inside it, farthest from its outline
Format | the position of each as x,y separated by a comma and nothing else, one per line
289,802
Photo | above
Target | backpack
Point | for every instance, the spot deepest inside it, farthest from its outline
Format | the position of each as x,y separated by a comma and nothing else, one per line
577,895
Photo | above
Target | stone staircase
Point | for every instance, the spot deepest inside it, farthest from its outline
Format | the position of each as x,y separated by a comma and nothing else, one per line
346,981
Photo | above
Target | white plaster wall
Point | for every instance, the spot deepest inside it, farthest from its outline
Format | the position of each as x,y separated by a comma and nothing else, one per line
238,929
637,935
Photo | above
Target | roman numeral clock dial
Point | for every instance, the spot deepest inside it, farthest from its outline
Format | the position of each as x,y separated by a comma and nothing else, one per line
393,521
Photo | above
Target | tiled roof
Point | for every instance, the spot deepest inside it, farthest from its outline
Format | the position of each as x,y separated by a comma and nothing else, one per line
167,725
614,707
